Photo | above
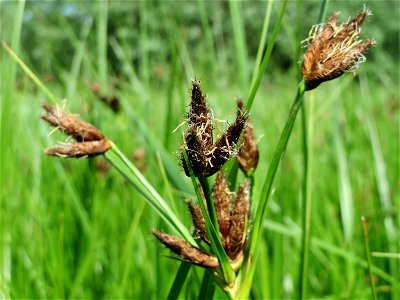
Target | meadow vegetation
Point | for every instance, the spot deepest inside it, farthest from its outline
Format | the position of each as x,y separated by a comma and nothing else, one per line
76,228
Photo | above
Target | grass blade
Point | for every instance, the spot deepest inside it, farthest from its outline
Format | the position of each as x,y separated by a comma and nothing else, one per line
29,72
267,188
179,281
368,254
308,126
308,133
213,235
102,43
240,43
266,58
133,175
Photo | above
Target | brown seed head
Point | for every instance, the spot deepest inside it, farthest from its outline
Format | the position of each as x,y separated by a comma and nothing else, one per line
186,251
240,215
90,141
334,49
82,149
233,225
198,221
71,125
205,158
222,202
248,153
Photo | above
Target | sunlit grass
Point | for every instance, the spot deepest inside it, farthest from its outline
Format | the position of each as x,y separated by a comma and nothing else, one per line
70,230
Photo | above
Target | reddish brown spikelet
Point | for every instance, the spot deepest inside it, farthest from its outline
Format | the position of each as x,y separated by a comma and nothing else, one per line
199,119
239,218
186,251
205,158
222,202
90,141
71,125
225,146
334,50
82,149
198,221
248,155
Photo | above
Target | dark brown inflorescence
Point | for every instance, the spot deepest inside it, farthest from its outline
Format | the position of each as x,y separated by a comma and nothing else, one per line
248,153
187,251
89,140
334,49
205,157
233,217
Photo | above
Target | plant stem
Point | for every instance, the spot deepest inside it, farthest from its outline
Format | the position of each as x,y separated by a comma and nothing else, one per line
179,280
366,242
308,121
135,177
29,72
210,203
213,235
307,125
265,61
279,152
267,189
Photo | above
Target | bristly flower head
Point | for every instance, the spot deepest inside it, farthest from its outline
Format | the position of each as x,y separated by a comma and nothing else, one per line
248,154
205,157
233,218
334,49
89,140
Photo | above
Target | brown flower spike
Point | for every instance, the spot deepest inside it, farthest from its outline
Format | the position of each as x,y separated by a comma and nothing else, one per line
205,157
334,49
89,140
248,154
233,218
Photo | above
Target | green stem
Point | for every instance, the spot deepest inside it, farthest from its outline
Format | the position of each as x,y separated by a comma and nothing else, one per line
212,234
265,61
279,152
307,208
179,280
267,188
307,125
210,203
135,177
367,251
29,72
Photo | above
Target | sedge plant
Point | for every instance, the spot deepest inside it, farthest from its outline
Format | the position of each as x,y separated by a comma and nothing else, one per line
226,237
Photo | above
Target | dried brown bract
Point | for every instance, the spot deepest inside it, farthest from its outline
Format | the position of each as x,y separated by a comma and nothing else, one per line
334,49
82,149
222,201
186,251
198,221
233,218
89,140
240,215
205,157
248,154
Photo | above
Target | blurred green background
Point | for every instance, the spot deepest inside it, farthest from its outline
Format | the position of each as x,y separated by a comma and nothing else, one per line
77,229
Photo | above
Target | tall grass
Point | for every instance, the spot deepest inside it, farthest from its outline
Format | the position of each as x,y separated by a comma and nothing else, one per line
69,229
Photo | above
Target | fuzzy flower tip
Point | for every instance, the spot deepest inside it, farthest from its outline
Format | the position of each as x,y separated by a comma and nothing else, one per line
233,214
206,157
89,141
334,49
248,154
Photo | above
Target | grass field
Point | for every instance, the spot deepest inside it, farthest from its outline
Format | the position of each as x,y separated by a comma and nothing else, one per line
76,228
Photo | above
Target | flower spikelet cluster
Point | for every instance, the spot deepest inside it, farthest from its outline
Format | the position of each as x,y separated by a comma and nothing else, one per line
205,156
248,153
233,215
334,49
89,141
